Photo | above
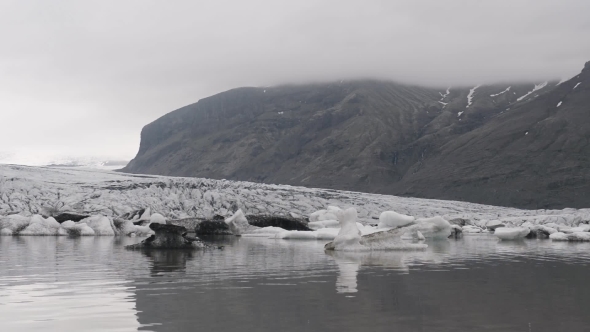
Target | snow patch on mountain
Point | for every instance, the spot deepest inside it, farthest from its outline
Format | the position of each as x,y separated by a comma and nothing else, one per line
577,84
536,88
497,94
470,96
443,96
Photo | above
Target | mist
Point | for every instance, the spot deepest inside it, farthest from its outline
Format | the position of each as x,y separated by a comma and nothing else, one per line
83,77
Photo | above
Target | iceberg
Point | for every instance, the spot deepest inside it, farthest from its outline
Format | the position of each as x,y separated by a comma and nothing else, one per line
349,237
576,236
77,229
238,224
432,228
511,233
157,218
38,226
389,219
14,223
324,224
100,225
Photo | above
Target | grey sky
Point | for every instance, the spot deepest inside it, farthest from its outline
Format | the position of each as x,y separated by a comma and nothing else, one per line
84,77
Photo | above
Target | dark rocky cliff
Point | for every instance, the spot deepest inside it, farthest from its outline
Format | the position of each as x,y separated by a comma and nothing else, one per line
383,137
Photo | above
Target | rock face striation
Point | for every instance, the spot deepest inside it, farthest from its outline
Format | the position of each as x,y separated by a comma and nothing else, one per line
522,145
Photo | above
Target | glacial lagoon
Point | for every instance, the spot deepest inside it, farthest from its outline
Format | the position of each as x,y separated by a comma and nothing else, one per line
476,283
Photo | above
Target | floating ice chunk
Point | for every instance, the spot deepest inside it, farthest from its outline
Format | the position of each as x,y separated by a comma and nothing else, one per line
101,225
577,236
349,235
238,223
141,231
559,104
38,226
14,223
51,223
314,216
580,228
469,229
37,219
511,233
157,218
389,219
301,235
62,232
37,229
433,228
327,233
321,215
366,229
270,231
545,229
77,229
323,224
493,224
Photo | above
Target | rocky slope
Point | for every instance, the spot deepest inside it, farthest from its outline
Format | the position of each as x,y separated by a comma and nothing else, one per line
459,143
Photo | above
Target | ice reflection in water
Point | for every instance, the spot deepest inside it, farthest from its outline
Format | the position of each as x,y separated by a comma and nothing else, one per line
276,285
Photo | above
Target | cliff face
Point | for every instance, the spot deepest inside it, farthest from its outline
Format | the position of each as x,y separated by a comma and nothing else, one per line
463,143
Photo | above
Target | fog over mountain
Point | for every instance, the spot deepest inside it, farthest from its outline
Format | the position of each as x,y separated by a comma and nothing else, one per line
83,78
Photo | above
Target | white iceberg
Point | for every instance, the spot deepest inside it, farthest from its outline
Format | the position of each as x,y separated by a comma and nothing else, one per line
322,215
77,229
238,224
101,225
577,236
470,229
349,237
14,223
390,219
39,226
323,224
432,228
157,218
511,233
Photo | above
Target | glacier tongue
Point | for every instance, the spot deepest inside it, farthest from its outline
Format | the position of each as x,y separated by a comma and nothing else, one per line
29,191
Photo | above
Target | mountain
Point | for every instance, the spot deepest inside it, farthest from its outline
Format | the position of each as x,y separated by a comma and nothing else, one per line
505,144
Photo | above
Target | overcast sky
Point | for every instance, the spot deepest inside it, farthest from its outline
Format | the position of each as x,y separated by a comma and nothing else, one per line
83,77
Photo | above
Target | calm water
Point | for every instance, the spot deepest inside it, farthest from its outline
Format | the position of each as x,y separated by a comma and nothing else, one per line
473,284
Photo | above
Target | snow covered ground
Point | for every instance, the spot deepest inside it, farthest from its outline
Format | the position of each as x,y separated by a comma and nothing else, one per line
28,191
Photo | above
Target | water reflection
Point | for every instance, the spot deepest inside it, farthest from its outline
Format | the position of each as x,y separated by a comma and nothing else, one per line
166,261
58,283
278,285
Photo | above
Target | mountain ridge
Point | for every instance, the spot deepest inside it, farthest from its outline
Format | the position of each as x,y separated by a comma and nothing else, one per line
373,136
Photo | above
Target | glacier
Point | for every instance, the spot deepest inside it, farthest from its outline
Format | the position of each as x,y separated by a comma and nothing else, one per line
30,196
